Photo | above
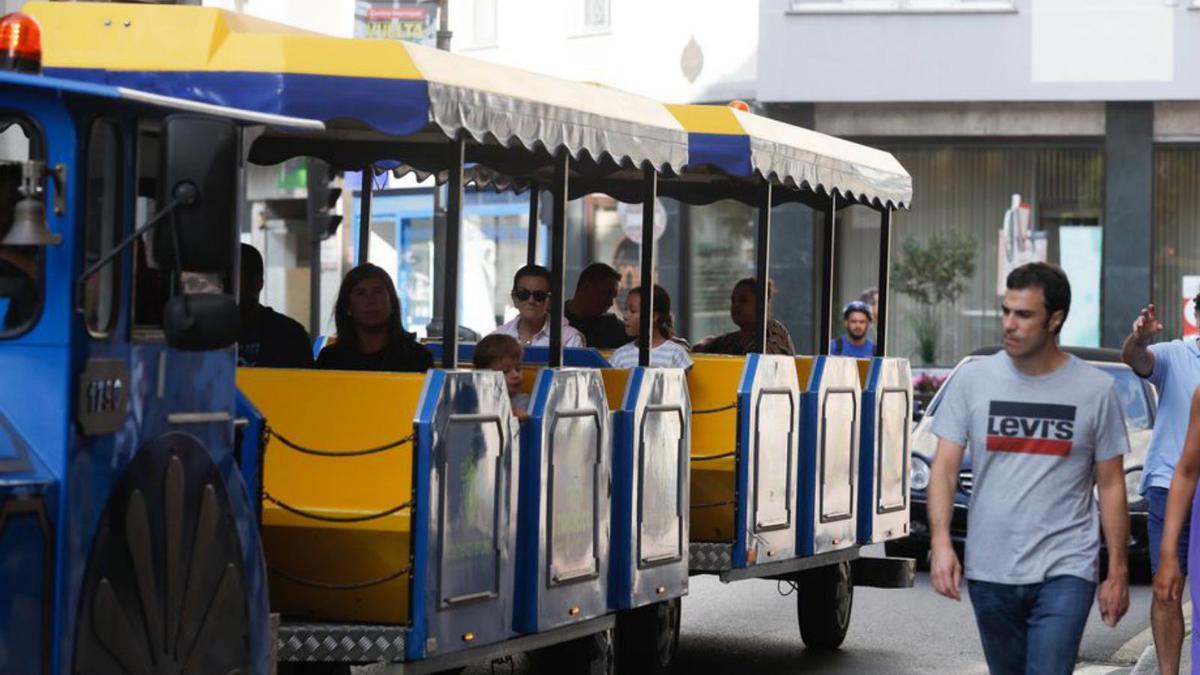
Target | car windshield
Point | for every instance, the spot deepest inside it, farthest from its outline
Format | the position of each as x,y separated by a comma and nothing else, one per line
1130,389
1132,393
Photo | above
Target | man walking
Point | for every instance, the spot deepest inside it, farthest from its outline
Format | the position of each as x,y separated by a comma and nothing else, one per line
854,342
1043,427
1174,368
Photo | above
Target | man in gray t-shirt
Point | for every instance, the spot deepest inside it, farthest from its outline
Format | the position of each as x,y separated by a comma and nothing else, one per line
1042,427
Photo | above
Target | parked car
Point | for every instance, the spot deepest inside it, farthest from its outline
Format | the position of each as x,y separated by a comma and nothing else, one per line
1140,402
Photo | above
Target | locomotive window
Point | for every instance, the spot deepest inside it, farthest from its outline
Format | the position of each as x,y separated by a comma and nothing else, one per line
21,268
150,285
102,225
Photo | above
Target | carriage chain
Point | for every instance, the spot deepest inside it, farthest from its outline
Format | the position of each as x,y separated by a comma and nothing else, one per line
711,505
334,519
709,411
337,453
709,458
352,586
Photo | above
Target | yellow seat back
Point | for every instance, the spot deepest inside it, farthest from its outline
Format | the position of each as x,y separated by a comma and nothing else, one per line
336,411
713,384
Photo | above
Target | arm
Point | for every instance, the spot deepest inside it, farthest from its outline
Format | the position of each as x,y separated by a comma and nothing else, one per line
945,571
1114,521
1168,583
1135,351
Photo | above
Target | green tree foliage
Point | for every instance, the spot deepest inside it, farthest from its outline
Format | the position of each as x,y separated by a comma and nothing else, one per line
933,273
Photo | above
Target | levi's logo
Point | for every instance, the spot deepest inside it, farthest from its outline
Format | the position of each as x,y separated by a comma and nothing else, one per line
1032,428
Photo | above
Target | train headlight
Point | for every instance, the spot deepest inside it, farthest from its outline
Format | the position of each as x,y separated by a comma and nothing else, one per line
918,470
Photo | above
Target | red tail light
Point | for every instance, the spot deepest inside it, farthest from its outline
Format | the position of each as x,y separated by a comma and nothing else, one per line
20,43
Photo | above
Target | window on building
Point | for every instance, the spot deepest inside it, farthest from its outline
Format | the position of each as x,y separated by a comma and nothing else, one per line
21,268
969,190
478,30
851,6
102,225
1176,239
590,17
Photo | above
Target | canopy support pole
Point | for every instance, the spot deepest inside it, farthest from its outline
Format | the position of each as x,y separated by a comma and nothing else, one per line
531,242
762,270
828,254
558,254
454,203
314,284
364,215
646,319
885,264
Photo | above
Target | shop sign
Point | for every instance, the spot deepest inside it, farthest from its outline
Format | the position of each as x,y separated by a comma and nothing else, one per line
407,22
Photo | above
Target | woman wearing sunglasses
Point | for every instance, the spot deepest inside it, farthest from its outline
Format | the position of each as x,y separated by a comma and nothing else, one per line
531,297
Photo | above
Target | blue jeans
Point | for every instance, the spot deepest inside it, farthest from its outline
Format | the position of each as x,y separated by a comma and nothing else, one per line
1032,629
1157,498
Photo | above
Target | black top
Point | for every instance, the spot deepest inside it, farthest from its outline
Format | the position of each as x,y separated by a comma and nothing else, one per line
405,355
272,340
601,332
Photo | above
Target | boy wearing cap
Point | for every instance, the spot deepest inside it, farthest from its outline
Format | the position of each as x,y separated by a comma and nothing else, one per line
854,342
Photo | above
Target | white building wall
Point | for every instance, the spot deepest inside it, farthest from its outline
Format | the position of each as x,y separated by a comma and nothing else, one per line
331,17
642,50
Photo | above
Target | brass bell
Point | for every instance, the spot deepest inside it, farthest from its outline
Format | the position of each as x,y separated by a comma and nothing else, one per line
29,226
29,215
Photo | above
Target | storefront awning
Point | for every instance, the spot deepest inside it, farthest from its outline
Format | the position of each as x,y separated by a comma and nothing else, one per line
742,144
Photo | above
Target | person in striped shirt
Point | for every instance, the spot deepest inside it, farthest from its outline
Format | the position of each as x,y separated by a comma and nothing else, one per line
665,350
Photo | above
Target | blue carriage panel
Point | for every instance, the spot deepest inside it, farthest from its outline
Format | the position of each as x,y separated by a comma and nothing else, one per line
829,476
651,471
251,446
767,460
885,452
27,497
566,497
465,530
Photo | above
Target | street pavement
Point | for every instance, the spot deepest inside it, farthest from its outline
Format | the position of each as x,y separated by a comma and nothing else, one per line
747,627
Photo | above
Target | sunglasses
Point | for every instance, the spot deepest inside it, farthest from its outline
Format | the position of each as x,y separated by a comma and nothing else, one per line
522,295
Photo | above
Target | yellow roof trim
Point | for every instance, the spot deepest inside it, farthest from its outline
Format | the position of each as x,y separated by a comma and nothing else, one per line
707,119
171,38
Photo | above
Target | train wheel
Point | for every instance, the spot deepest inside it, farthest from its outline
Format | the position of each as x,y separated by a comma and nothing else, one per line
591,655
823,603
165,591
647,638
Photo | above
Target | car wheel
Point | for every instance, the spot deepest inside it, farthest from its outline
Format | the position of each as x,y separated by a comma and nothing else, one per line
823,603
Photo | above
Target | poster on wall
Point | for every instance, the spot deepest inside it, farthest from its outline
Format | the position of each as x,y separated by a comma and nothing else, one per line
405,21
1018,242
1190,286
1080,258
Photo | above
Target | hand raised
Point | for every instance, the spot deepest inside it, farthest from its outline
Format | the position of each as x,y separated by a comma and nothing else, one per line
1147,325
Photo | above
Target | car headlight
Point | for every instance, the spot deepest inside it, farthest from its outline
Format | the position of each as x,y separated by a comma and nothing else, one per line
918,470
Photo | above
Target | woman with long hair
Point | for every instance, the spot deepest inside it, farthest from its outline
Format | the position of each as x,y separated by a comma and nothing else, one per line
665,350
369,333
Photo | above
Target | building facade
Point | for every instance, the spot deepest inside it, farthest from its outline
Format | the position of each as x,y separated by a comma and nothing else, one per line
1084,108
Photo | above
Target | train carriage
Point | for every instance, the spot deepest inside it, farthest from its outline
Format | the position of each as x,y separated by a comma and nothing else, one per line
408,519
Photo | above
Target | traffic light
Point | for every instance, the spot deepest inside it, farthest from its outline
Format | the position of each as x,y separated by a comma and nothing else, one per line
322,199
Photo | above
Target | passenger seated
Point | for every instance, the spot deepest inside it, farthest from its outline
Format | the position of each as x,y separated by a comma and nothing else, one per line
665,350
531,297
503,353
369,333
741,310
588,310
267,339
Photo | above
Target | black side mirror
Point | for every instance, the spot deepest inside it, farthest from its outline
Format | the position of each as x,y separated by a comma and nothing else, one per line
200,160
199,322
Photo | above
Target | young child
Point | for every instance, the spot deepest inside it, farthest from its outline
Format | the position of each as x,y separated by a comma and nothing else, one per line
665,351
502,352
